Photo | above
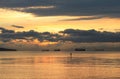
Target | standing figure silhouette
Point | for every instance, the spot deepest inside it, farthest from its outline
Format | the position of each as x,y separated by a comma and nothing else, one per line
71,55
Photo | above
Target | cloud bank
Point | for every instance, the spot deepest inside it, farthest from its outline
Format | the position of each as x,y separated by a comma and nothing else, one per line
67,39
106,8
73,35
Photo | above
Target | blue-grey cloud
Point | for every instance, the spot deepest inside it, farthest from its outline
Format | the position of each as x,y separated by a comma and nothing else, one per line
8,35
89,18
73,35
3,30
90,36
16,26
107,8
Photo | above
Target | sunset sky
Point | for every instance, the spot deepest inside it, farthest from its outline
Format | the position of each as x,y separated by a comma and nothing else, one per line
55,17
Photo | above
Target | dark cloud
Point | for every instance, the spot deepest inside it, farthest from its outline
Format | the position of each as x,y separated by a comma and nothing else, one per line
107,8
73,35
23,3
8,35
16,26
89,18
3,30
90,36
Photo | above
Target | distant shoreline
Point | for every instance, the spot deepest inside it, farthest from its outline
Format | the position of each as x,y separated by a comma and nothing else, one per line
5,49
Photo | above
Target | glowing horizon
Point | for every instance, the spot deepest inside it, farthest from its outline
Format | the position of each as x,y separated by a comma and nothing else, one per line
54,23
39,23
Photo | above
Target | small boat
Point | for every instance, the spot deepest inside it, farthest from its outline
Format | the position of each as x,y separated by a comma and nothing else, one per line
80,49
57,50
5,49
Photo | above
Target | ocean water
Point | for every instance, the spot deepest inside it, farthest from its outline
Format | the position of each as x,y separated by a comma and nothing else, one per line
59,65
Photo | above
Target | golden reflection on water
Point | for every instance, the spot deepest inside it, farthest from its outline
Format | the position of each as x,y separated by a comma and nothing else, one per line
30,65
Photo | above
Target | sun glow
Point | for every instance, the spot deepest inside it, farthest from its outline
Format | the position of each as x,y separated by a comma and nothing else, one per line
44,43
53,23
35,42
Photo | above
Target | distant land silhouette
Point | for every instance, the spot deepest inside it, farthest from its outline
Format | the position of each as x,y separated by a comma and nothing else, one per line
99,49
5,49
80,49
57,50
45,50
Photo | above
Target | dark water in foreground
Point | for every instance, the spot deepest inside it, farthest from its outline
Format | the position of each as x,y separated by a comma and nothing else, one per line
59,65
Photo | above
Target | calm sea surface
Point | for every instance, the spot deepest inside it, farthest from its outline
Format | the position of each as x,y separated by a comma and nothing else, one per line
59,65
